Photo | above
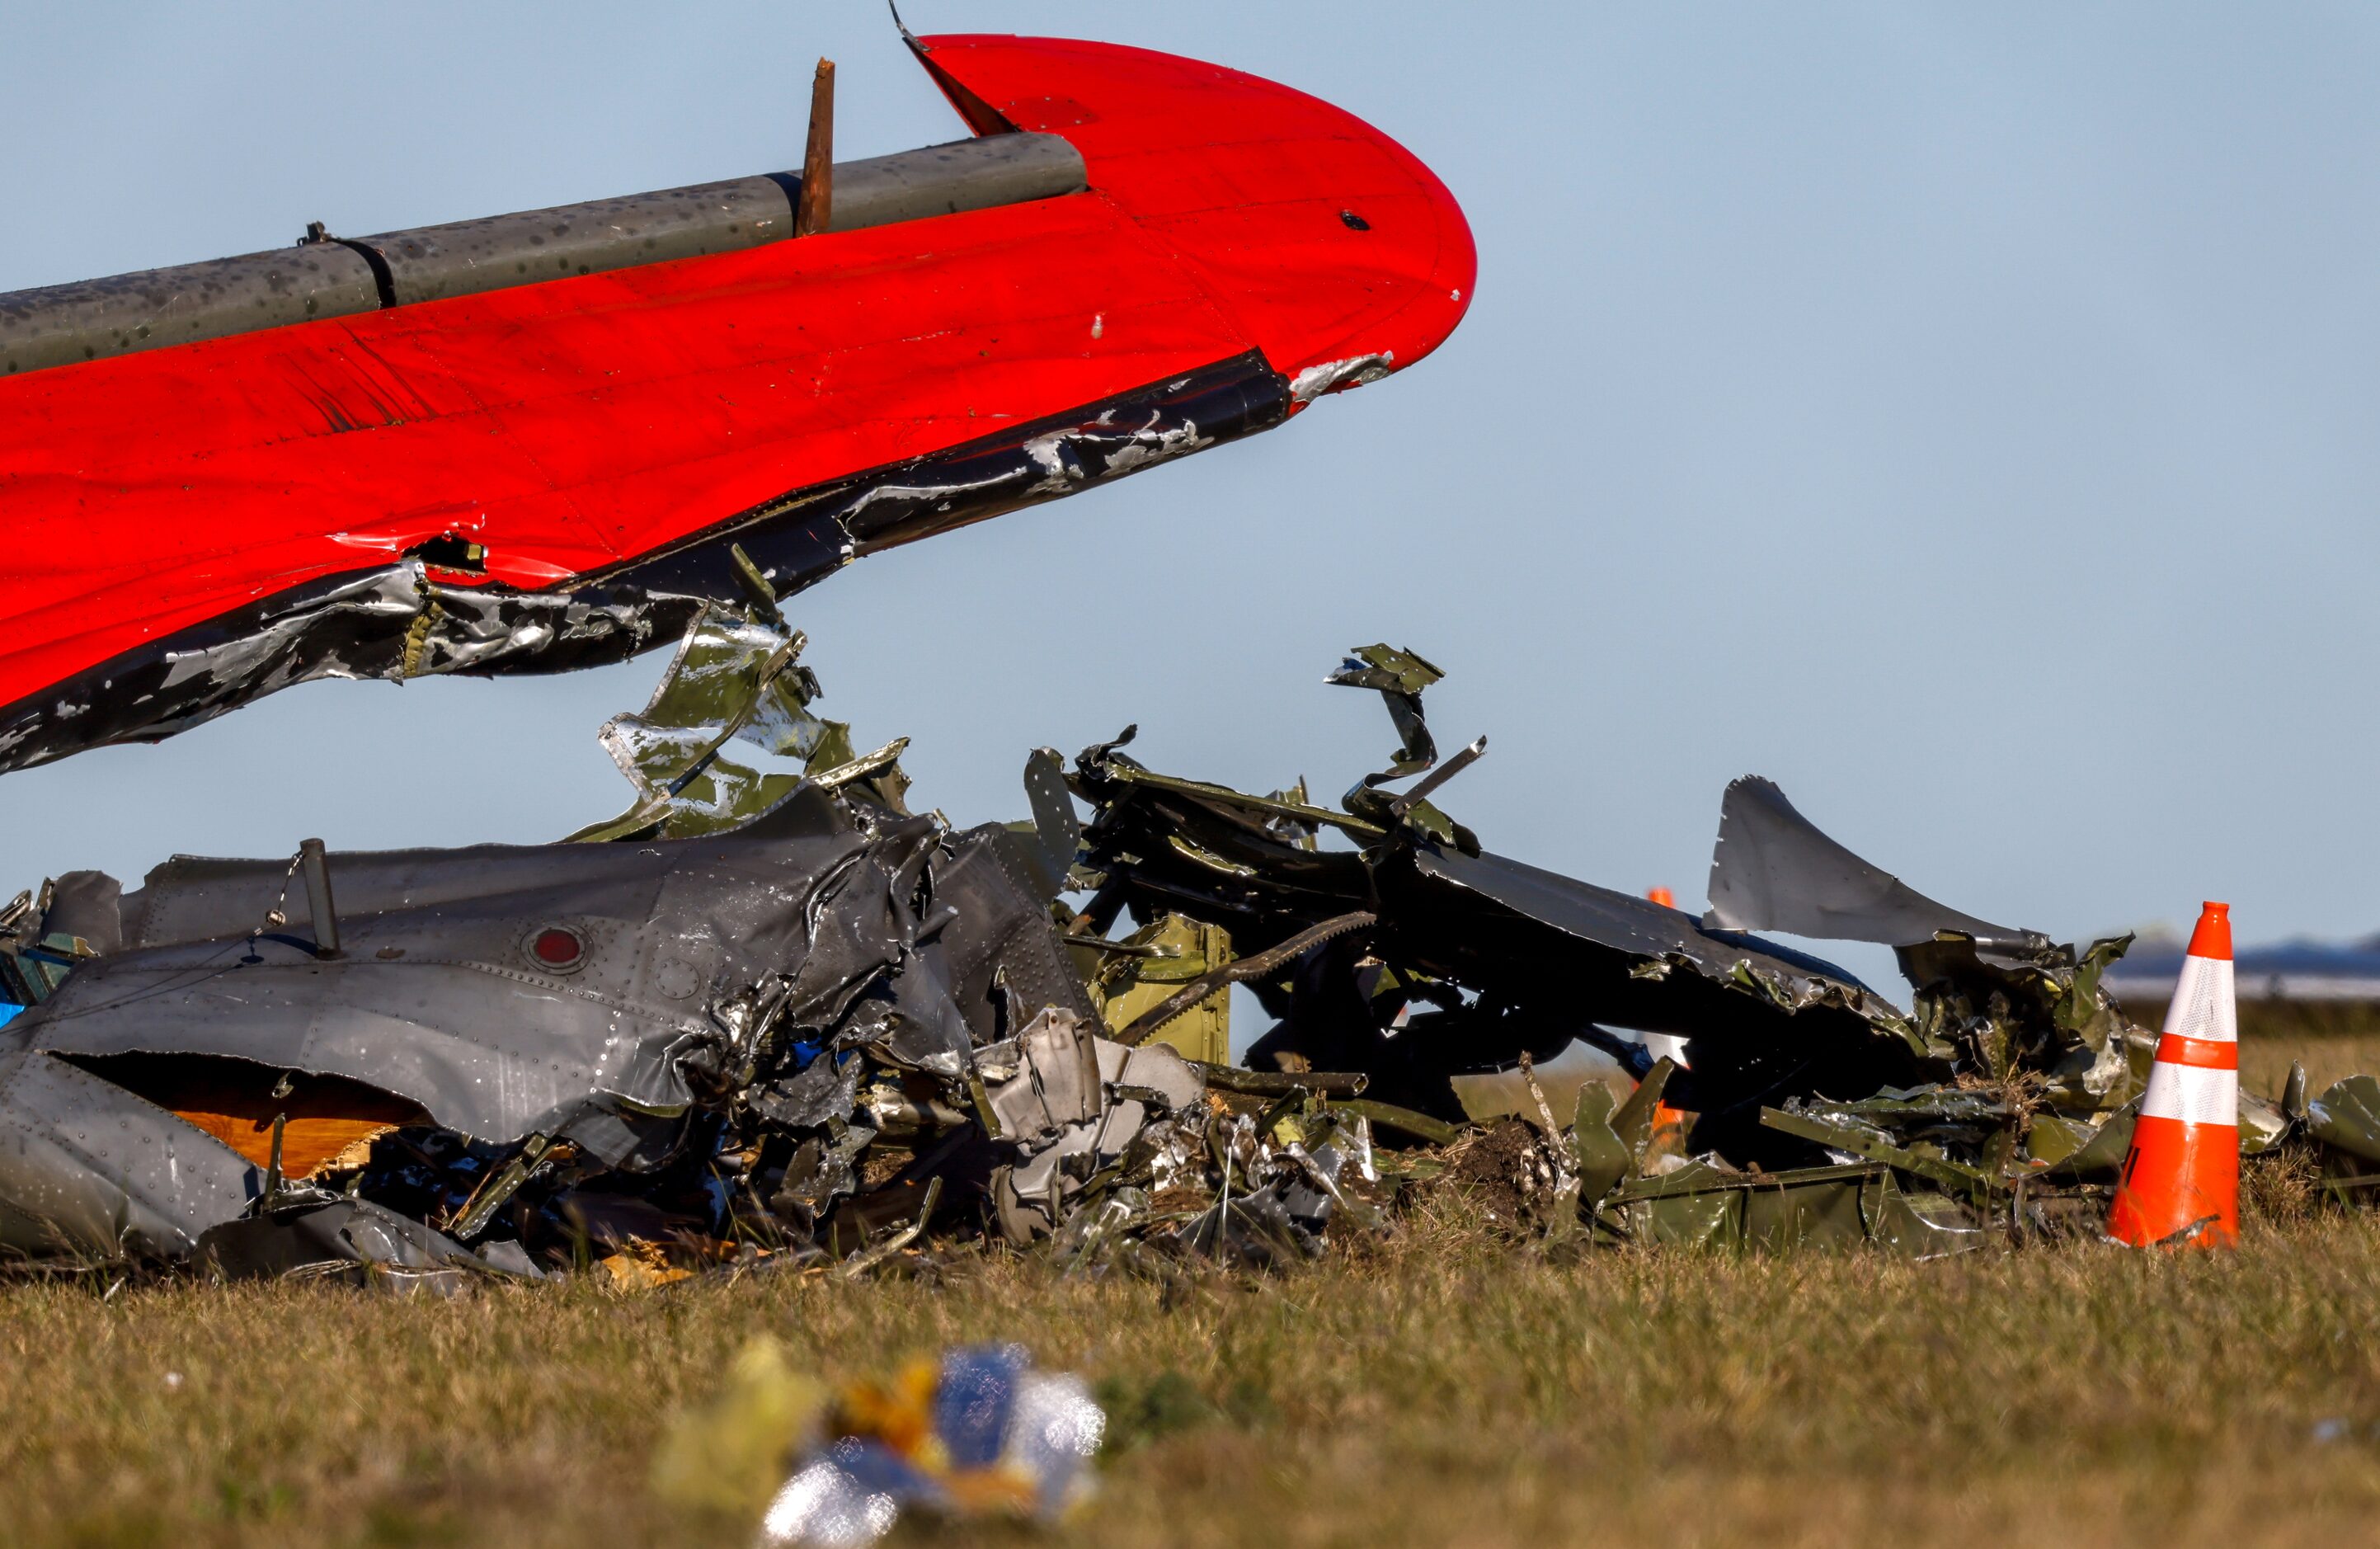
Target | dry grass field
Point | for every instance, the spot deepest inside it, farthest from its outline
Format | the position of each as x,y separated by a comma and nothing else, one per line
2331,1040
1446,1389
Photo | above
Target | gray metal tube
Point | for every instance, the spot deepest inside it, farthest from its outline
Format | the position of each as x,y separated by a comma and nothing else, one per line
62,324
90,319
947,179
468,257
319,907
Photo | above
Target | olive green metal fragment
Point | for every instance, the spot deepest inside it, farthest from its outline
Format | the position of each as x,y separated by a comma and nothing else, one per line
861,1263
1386,669
1919,1225
1399,676
2104,1153
736,684
2346,1117
1386,1116
498,1187
1838,1206
866,765
1713,1219
1603,1159
1819,1213
1941,1105
1208,859
1256,966
2263,1125
1865,1142
1634,1122
1162,957
1268,1083
2046,1016
755,584
2054,1138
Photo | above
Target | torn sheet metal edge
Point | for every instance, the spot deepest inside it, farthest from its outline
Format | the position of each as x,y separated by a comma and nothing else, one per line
1791,981
1126,772
604,1099
1334,376
352,1240
1838,1205
2346,1117
91,1171
403,621
1772,869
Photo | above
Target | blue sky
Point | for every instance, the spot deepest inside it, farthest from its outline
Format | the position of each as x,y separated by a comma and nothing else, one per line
1961,415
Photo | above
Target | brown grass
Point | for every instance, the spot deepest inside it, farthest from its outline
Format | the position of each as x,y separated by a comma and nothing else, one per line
1441,1392
1443,1389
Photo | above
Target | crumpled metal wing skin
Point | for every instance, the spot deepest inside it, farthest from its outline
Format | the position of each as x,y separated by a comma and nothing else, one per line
88,1170
443,997
1636,928
1550,957
2348,1116
1774,870
1763,1020
1241,247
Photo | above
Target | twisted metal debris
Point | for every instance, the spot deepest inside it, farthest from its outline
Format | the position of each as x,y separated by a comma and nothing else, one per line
768,1020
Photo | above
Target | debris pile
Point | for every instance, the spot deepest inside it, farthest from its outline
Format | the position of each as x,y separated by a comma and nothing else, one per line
768,1018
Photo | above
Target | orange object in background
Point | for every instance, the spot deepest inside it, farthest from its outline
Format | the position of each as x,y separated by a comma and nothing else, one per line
1668,1124
2180,1182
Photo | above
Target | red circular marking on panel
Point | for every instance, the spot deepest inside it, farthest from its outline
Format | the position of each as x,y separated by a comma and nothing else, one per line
556,948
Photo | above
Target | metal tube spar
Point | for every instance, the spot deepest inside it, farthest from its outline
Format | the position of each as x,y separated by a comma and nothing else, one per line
325,913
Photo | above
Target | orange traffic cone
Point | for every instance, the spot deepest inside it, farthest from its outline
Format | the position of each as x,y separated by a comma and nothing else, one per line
2180,1181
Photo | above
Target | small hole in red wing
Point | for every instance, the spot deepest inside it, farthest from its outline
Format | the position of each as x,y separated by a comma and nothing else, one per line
452,551
557,947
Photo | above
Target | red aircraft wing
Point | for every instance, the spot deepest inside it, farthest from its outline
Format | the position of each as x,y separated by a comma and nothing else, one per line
199,524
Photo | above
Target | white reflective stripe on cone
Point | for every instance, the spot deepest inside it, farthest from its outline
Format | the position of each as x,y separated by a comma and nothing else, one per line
2193,1094
2202,1004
